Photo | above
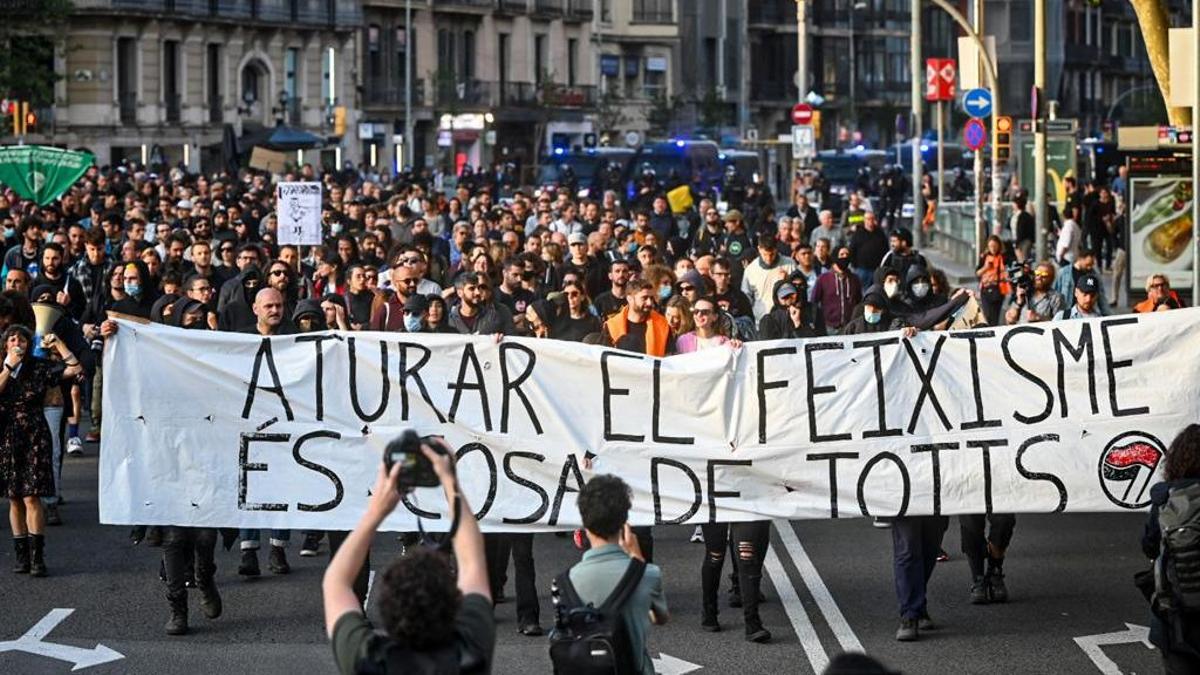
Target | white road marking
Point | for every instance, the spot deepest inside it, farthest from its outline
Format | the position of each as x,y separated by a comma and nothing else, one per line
370,582
809,639
80,658
666,664
816,586
1091,645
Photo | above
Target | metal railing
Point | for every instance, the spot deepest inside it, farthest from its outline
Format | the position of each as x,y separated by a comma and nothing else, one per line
390,91
128,105
282,12
580,9
173,104
512,6
955,229
548,7
518,94
467,92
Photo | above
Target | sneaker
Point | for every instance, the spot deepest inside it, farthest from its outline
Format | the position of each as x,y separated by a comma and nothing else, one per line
52,517
277,561
74,446
942,555
311,546
924,622
92,437
881,523
907,632
697,536
531,630
760,635
710,624
249,564
996,588
979,591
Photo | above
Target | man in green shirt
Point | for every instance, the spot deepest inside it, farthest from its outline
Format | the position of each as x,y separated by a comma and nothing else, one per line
604,508
431,623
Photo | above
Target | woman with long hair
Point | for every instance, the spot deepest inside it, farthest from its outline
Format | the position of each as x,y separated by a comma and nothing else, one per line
575,320
26,461
992,272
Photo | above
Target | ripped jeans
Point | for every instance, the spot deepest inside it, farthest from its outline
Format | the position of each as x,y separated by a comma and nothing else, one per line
750,541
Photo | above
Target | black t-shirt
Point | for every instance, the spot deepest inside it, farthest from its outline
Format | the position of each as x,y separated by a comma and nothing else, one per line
608,304
359,306
520,299
634,340
356,642
574,330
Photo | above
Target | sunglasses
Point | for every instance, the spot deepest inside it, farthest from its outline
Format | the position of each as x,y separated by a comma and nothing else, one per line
572,294
686,289
701,312
278,273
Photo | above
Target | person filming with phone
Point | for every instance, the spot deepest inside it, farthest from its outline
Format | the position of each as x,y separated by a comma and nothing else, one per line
432,622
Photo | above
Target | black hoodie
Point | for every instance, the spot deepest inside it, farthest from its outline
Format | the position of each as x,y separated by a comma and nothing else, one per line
777,324
238,313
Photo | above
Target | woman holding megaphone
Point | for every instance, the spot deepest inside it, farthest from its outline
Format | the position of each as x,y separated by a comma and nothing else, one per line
26,464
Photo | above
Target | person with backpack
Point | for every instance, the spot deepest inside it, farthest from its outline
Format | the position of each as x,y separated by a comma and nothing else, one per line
605,603
1172,540
433,622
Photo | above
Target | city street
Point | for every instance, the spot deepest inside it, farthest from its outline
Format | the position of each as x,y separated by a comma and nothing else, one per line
831,587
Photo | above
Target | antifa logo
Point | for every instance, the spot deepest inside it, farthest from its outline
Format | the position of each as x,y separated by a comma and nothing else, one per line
1127,468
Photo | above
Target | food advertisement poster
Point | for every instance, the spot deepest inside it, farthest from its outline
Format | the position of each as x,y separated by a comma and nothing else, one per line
1160,229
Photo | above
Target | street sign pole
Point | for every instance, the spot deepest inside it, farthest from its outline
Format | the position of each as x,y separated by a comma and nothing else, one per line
941,155
980,221
915,63
1039,130
1195,155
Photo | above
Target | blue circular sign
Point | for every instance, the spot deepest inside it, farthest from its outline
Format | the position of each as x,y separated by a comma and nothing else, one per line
974,134
977,103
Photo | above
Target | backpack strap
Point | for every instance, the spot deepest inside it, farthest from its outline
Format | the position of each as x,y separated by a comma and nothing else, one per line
625,588
568,597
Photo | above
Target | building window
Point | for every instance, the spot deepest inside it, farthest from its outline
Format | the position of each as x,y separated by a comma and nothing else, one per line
606,11
610,73
374,55
213,85
652,11
654,79
505,55
446,60
572,64
540,71
468,56
1020,16
127,79
732,55
291,68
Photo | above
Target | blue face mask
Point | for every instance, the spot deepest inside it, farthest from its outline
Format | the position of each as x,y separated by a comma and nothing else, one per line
873,317
133,289
664,293
412,323
9,233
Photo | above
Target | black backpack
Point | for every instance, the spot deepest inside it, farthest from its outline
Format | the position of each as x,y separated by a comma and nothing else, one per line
590,640
1177,570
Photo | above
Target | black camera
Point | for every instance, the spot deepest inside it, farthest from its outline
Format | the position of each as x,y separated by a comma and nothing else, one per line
1020,276
416,469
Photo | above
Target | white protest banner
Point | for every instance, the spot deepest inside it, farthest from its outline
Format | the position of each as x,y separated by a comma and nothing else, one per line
299,213
216,429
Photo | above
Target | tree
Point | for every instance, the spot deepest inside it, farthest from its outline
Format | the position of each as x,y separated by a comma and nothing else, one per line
29,34
714,113
610,114
662,114
1155,20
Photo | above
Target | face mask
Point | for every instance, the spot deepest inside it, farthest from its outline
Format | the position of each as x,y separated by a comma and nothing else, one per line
9,233
889,289
873,317
412,323
842,263
133,289
664,293
920,290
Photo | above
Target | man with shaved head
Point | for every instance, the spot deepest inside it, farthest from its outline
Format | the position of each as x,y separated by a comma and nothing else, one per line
268,309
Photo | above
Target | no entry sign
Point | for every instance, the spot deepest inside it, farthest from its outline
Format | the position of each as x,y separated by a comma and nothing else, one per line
802,113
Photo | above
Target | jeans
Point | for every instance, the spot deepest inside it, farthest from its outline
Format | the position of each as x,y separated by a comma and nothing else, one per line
916,541
251,538
975,541
716,539
54,417
526,578
181,546
497,548
751,541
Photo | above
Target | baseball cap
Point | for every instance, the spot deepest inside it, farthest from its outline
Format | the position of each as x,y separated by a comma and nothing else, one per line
183,204
1089,284
416,303
576,238
784,291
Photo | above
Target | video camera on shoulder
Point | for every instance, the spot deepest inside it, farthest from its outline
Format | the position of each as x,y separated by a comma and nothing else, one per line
416,469
1021,276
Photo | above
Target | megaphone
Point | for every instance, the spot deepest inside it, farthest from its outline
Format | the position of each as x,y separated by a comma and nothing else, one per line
45,315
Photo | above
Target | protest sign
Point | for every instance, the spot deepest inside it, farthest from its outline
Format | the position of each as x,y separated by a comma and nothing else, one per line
299,207
218,429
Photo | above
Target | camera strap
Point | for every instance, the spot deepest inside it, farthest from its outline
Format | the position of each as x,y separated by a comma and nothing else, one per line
448,541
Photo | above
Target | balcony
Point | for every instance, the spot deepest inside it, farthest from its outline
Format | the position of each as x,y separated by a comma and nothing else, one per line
127,102
390,92
307,13
452,5
560,96
580,10
512,6
172,105
472,93
771,12
518,94
653,11
548,8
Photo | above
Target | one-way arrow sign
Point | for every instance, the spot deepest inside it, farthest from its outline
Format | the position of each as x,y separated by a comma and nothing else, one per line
80,658
978,103
1091,645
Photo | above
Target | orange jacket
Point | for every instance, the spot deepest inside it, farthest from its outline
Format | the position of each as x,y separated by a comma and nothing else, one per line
657,330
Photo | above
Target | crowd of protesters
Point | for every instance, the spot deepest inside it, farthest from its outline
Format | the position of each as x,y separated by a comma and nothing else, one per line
202,252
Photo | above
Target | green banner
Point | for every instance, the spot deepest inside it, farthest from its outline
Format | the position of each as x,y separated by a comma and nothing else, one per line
41,173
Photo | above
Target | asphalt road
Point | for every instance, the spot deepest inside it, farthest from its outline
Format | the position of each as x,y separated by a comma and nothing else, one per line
831,589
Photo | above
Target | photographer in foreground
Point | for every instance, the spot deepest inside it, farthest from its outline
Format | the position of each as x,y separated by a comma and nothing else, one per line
1039,303
431,624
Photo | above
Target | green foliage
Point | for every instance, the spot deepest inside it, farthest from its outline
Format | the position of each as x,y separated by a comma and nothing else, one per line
29,34
714,113
664,112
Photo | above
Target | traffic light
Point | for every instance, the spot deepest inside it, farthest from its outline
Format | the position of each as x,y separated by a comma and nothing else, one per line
31,121
339,121
1003,137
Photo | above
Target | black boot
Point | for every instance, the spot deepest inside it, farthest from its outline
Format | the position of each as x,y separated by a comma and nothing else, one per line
277,561
37,562
178,623
995,580
21,548
210,599
249,565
